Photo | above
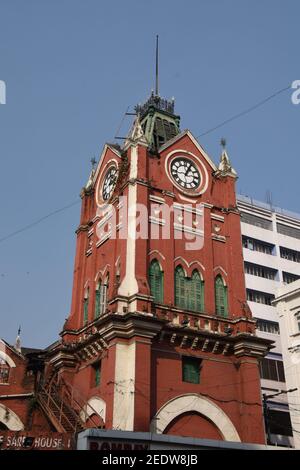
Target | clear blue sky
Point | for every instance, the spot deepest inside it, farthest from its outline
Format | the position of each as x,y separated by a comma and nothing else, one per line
72,67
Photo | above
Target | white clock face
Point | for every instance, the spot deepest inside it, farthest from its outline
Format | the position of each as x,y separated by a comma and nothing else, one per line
109,182
185,173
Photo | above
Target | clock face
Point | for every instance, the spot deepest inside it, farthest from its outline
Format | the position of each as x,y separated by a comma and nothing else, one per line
109,182
185,173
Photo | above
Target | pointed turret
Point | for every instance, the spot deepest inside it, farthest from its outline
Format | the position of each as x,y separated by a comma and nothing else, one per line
90,181
136,134
225,168
18,340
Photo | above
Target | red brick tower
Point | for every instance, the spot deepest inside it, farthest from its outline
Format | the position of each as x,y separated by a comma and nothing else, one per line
159,336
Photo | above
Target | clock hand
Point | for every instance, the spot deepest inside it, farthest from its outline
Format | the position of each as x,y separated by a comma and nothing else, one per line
188,168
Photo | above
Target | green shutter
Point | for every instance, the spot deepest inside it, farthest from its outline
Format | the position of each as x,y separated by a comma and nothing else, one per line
181,294
195,294
221,297
189,292
97,374
97,303
86,307
156,281
191,370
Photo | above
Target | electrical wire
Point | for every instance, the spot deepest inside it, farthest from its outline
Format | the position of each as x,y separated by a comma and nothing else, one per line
38,221
246,111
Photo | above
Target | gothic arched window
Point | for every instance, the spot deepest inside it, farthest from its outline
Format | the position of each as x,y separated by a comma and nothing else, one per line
101,298
196,292
189,292
221,297
86,305
156,281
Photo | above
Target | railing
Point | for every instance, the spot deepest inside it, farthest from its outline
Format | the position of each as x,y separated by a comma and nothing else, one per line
78,403
202,322
56,409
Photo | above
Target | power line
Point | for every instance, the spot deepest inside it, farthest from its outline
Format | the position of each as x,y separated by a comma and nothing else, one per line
33,224
246,111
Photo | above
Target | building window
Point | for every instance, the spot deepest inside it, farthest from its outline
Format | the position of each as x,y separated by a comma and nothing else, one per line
291,255
257,221
271,369
267,326
279,422
156,281
195,294
259,297
221,297
189,292
260,271
297,317
86,305
289,231
258,245
4,372
97,374
191,367
100,299
163,131
289,277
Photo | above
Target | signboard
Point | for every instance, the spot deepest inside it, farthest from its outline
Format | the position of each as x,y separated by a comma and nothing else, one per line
117,445
21,440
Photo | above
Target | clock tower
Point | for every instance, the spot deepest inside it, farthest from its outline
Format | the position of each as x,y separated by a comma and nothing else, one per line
160,337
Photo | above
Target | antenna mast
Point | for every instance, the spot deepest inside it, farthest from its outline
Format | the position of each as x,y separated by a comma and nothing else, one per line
156,74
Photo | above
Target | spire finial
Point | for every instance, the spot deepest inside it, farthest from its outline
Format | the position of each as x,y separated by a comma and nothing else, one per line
93,162
223,142
18,340
156,72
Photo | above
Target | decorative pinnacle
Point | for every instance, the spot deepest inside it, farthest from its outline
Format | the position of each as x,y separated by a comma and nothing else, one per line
223,142
19,330
93,162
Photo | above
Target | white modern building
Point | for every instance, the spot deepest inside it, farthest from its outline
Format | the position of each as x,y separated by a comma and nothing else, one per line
287,303
271,248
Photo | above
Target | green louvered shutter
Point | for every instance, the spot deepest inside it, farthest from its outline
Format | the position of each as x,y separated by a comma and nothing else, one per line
181,288
86,307
97,302
97,374
156,281
191,370
103,298
221,297
196,291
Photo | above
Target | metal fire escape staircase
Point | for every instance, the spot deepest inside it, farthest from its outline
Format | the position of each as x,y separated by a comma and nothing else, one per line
66,409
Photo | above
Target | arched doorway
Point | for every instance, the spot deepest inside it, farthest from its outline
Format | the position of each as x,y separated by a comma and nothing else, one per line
199,409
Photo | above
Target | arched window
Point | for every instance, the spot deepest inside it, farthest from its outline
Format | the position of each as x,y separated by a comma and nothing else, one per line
196,296
180,290
189,292
4,371
86,305
156,281
101,298
221,297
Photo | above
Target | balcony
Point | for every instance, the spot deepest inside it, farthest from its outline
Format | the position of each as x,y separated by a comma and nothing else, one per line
200,321
261,284
289,242
262,259
258,233
266,312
